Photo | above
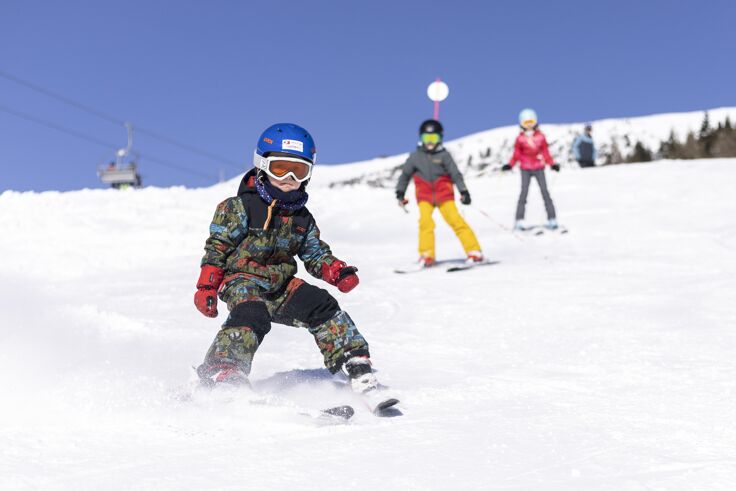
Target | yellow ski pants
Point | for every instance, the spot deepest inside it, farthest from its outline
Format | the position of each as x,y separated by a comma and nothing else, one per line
449,212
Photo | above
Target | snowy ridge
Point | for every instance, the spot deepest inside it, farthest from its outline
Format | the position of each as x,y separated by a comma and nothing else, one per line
602,359
479,153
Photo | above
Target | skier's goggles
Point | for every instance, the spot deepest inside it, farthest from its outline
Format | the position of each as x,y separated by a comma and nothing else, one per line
282,167
433,138
529,123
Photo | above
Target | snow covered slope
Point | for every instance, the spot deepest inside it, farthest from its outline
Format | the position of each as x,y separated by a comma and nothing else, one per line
602,359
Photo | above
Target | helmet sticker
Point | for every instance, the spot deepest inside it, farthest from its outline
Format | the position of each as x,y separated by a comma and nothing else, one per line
268,140
292,145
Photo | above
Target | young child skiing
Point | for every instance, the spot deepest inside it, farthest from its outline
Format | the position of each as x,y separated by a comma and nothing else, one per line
532,151
434,172
249,263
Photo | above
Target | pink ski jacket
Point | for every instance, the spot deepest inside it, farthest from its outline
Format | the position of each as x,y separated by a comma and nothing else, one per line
532,152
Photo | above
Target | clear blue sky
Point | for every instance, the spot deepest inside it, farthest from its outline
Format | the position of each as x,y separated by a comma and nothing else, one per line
213,74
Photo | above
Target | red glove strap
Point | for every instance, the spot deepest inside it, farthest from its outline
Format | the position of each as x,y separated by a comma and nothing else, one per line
210,277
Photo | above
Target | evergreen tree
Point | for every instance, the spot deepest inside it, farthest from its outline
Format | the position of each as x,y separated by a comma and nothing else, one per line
671,148
710,141
723,141
691,148
640,154
705,126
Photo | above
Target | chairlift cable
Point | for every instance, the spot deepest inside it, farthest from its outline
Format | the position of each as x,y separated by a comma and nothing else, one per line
114,120
97,141
57,127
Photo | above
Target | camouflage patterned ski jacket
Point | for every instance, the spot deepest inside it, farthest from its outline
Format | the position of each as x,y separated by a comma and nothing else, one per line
246,251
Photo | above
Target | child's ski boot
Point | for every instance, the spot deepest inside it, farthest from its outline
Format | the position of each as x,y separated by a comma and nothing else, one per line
520,226
222,373
363,381
474,257
425,261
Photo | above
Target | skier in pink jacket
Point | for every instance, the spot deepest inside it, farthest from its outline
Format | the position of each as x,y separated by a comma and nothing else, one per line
532,152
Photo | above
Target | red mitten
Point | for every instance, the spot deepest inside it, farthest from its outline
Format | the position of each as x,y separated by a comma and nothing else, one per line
341,275
205,299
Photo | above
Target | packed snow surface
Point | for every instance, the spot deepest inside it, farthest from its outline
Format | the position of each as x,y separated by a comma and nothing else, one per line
601,359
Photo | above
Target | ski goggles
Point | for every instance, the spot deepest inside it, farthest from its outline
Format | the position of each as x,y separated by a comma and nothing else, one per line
431,138
529,123
282,167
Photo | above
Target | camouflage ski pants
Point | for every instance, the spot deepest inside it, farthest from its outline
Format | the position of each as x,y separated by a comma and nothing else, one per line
299,305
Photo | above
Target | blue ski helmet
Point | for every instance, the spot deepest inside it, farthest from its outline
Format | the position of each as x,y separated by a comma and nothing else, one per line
528,118
286,138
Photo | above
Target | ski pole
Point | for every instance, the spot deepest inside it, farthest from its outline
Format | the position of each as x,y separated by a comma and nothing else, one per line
498,224
494,221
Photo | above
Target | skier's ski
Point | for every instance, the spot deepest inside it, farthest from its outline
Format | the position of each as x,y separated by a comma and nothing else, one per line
530,230
470,265
414,268
375,400
537,230
344,412
226,395
378,400
339,413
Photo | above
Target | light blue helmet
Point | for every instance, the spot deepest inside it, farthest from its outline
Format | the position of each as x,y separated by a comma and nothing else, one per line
528,118
285,138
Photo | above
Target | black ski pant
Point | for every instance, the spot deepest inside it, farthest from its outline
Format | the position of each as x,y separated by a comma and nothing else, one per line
586,163
299,304
526,176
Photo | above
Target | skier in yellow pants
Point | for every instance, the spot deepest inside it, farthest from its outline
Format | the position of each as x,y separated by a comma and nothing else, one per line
434,172
450,213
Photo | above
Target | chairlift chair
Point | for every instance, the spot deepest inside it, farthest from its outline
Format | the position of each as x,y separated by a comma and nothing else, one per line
122,173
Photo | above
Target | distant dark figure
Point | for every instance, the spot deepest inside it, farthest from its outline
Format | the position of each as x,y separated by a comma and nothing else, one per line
583,148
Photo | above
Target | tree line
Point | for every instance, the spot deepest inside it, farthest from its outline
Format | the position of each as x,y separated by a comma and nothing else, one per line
710,142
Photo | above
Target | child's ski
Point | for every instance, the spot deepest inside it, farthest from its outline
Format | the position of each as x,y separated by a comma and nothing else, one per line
414,268
344,412
468,265
378,400
541,230
232,394
530,230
